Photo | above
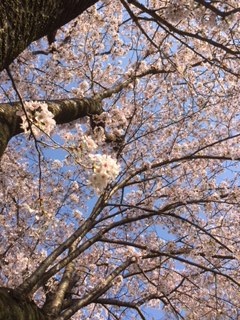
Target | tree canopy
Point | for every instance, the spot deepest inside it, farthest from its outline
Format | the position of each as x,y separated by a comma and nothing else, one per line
119,172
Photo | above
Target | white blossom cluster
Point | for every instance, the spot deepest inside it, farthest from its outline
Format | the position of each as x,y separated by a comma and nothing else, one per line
105,170
38,117
115,121
81,152
101,168
88,144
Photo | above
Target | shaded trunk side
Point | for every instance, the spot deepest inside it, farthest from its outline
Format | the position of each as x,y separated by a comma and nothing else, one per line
22,22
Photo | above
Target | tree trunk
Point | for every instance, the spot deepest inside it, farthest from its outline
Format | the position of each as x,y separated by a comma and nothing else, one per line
12,307
22,22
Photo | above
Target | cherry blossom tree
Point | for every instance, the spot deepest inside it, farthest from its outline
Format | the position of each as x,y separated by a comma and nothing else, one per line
119,172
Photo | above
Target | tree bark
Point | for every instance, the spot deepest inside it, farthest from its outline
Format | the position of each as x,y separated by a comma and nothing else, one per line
65,111
22,22
12,307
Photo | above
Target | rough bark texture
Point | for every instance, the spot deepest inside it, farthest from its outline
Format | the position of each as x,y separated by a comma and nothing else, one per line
22,22
65,110
12,307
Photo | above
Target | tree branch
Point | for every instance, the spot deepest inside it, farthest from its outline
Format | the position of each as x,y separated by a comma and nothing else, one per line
65,110
218,12
54,307
119,303
98,291
162,22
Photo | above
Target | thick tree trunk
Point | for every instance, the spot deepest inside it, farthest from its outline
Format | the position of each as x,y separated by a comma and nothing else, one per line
22,22
12,307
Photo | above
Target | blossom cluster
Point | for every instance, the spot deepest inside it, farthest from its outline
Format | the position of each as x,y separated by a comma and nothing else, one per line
88,143
115,122
105,170
101,169
81,152
38,117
